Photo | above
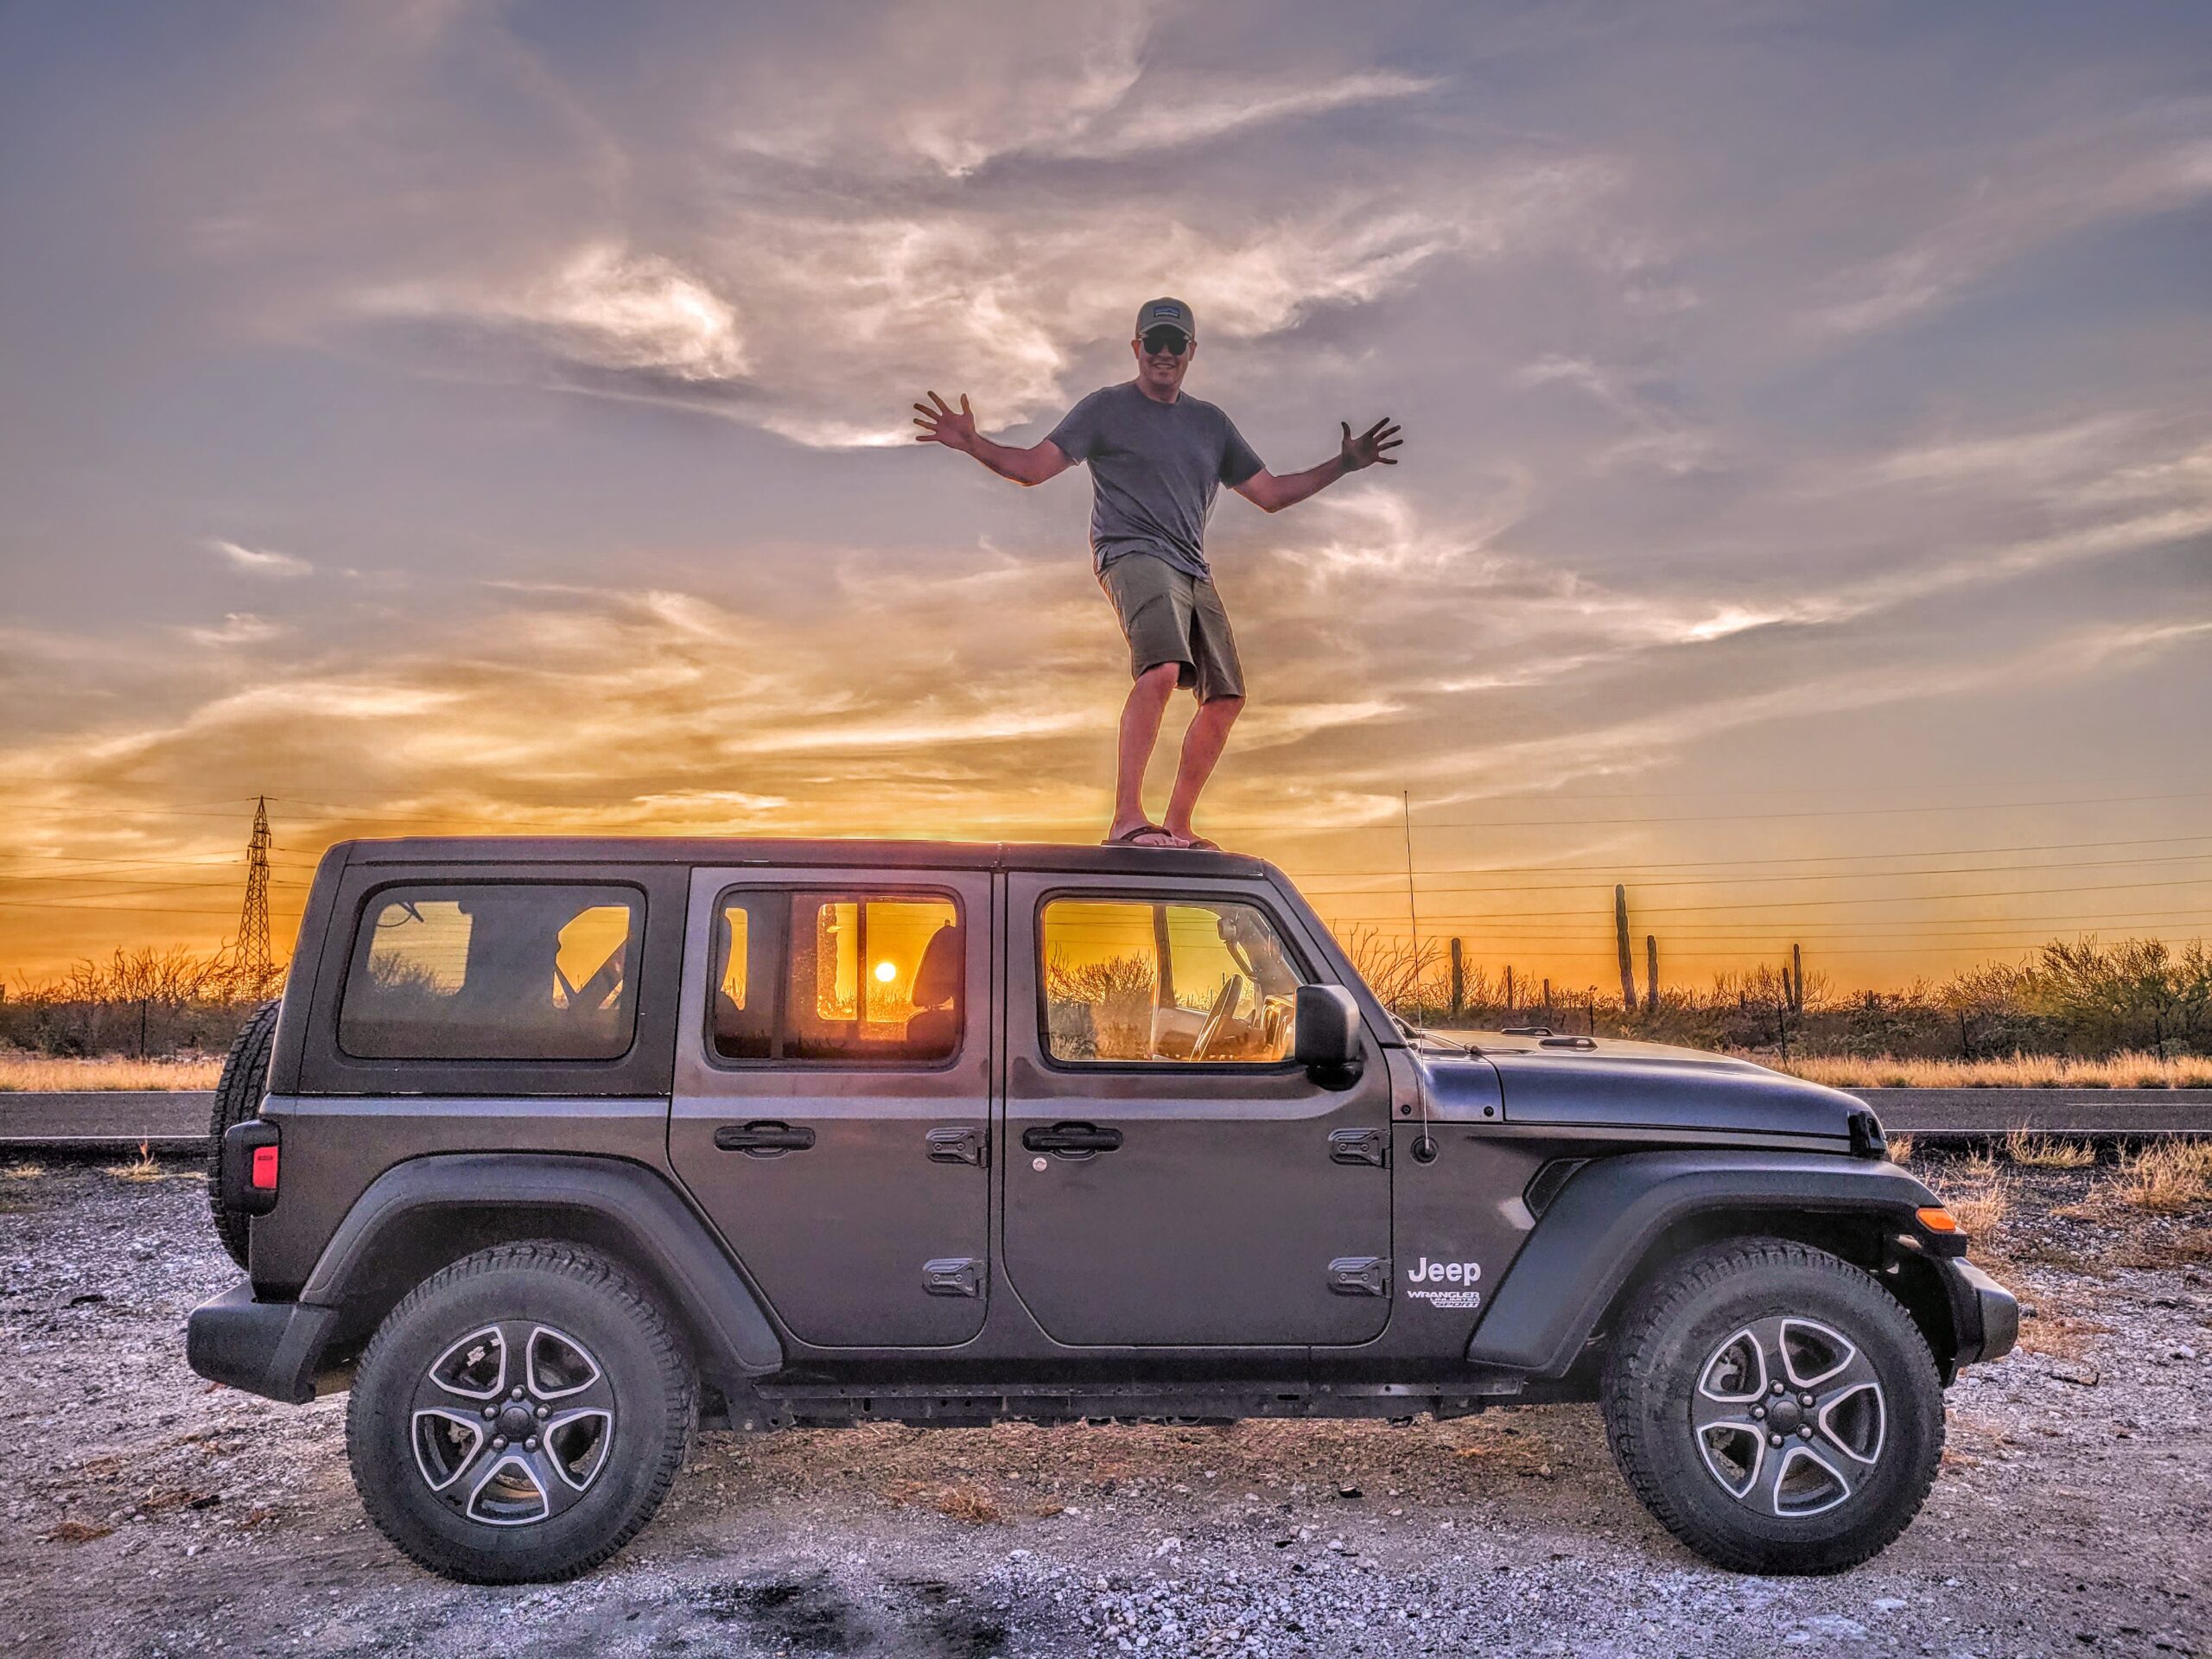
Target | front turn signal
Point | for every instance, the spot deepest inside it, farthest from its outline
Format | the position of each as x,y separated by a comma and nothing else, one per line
1936,1219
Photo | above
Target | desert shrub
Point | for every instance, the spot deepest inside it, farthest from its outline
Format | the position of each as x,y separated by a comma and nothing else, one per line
2168,1177
2048,1152
148,1002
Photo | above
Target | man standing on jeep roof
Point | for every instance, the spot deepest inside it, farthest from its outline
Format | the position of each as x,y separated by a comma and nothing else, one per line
1157,455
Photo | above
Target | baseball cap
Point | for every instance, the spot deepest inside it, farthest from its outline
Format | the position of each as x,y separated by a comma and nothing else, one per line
1166,314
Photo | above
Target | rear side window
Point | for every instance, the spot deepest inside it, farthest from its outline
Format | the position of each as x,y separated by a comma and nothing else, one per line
837,977
493,971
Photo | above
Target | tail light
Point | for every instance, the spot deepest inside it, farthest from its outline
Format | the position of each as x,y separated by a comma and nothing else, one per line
249,1168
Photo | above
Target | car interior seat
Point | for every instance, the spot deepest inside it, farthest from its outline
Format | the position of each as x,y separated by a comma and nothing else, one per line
935,1027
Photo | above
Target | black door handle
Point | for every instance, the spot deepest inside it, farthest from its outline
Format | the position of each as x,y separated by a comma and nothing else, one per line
763,1140
1078,1139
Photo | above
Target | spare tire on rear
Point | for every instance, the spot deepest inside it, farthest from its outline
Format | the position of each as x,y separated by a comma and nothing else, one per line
238,1098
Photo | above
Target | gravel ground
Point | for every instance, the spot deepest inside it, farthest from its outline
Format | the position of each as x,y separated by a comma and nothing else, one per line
148,1512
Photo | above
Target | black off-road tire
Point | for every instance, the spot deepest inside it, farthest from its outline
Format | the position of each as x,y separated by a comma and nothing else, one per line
1683,1320
238,1098
651,1390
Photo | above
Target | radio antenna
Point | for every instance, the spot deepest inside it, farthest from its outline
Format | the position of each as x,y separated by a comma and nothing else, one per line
1412,909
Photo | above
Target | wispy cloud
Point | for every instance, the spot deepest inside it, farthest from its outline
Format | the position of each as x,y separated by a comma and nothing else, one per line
2007,203
260,561
1775,425
600,307
237,628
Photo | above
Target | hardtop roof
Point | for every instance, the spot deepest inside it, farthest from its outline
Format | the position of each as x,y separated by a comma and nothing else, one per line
828,851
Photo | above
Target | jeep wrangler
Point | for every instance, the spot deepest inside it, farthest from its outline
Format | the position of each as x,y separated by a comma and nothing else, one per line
555,1149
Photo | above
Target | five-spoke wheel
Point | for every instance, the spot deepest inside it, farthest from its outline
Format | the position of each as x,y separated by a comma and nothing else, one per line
1774,1407
1788,1415
512,1423
520,1415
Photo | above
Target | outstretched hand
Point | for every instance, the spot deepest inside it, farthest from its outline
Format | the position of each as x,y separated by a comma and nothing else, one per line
953,428
1367,448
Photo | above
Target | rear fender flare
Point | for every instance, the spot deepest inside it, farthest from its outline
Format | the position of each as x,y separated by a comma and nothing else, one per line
635,1207
1610,1212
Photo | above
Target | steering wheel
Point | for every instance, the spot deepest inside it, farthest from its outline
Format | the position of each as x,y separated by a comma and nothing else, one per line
1223,1010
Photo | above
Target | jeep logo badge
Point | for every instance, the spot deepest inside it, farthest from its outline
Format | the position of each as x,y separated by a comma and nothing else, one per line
1446,1284
1441,1272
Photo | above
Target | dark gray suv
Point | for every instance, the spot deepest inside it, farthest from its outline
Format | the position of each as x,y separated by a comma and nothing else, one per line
558,1148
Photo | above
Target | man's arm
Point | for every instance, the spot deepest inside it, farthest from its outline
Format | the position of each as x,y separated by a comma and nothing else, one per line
1272,494
955,430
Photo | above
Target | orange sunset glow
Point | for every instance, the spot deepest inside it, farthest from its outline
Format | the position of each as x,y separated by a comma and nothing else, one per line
1811,532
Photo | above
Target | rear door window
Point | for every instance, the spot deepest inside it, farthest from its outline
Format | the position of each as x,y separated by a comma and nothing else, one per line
836,977
492,971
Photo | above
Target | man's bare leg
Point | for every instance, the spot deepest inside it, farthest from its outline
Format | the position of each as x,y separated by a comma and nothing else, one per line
1202,748
1141,717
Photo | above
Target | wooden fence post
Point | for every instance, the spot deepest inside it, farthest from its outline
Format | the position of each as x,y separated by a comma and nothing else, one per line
1508,988
1797,979
1458,980
1620,939
1651,972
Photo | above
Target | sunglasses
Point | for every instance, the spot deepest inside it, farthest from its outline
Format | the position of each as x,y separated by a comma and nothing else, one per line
1173,341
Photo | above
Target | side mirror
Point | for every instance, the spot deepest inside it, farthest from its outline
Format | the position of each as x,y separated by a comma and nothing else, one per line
1326,1035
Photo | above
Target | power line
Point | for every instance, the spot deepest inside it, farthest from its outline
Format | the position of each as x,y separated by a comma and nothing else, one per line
1614,867
1873,898
1749,817
1830,875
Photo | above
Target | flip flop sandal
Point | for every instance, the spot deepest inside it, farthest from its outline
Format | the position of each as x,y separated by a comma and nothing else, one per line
1130,837
1200,844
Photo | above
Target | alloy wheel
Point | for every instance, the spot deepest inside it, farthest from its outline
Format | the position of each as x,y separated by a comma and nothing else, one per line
512,1423
1789,1416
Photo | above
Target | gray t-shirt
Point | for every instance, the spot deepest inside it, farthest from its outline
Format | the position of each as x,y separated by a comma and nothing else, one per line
1154,469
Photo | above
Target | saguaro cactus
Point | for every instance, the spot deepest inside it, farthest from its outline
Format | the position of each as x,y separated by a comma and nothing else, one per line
1628,960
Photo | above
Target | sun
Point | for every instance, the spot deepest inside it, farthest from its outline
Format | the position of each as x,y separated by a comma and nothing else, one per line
886,972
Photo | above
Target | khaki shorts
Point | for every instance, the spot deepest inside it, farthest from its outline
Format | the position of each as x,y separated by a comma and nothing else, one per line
1169,616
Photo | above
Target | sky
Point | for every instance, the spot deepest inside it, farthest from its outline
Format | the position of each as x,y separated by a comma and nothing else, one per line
460,415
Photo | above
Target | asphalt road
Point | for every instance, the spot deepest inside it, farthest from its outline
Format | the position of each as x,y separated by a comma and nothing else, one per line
177,1122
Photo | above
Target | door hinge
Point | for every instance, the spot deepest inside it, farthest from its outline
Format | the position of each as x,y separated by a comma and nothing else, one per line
958,1146
1360,1275
1359,1146
953,1276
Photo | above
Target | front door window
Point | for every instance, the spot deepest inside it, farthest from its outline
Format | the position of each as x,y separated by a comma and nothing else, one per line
1188,980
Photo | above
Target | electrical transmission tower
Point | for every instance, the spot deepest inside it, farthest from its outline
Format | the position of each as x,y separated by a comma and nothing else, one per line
253,918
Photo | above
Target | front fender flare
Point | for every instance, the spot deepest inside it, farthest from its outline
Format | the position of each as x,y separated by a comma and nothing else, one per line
660,1232
1610,1213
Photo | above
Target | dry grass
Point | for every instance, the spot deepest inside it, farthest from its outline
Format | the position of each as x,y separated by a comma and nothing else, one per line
1900,1148
2189,1250
77,1532
24,1172
2059,1335
2024,1145
1979,1193
2168,1177
2132,1070
969,1503
37,1074
145,1167
1982,1214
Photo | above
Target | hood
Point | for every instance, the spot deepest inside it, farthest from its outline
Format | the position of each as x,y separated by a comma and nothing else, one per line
1615,1082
